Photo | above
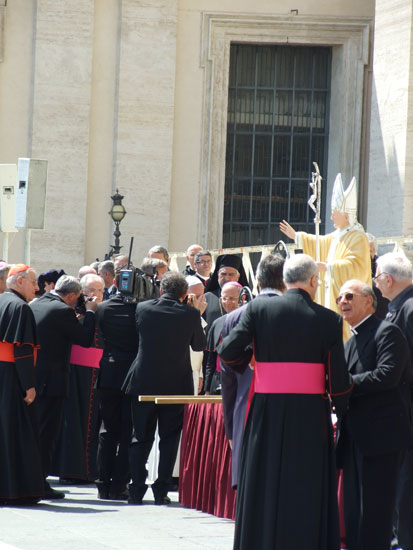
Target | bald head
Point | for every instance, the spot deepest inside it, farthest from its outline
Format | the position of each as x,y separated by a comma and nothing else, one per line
85,270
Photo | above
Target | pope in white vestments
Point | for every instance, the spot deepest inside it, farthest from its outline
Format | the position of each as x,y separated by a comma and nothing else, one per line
344,254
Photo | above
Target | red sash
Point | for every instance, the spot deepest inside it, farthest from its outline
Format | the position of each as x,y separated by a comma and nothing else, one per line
280,377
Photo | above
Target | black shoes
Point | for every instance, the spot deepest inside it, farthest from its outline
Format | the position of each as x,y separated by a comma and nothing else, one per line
105,492
162,501
135,501
119,495
52,494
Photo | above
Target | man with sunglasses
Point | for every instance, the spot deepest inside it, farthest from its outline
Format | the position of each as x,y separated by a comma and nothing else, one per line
375,431
394,279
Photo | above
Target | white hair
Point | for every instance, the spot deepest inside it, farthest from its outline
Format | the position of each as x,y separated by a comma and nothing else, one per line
396,265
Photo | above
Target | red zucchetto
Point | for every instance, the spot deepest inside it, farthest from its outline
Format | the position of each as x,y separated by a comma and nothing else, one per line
17,268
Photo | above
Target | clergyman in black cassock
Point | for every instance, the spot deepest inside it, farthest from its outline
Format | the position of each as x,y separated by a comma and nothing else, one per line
234,272
394,280
21,474
57,329
287,490
376,430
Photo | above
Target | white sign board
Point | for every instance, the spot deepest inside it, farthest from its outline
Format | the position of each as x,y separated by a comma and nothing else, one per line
31,193
8,178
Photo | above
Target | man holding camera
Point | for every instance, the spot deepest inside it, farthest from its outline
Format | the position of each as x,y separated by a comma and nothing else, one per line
57,329
167,327
117,330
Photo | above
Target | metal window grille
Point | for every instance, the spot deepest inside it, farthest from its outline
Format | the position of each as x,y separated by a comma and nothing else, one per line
278,112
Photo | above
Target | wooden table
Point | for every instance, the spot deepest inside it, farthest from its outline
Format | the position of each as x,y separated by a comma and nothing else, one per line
205,462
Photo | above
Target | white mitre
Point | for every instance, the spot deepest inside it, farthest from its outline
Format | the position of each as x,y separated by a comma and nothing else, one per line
345,201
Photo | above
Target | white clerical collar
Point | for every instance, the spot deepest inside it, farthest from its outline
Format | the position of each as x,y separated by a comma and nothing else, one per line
353,329
271,291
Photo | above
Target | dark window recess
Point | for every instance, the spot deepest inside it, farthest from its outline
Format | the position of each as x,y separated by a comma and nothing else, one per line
278,112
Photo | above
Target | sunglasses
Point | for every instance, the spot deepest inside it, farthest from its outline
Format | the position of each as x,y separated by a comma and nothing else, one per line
348,296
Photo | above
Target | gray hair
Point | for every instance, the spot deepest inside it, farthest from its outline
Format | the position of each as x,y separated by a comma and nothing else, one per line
150,265
365,290
299,269
396,265
159,250
12,280
107,267
84,281
174,283
67,284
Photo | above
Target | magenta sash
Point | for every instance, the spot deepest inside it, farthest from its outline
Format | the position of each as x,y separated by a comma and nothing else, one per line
289,378
87,357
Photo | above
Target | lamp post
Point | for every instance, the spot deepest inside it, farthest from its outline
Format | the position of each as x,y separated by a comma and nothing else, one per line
117,213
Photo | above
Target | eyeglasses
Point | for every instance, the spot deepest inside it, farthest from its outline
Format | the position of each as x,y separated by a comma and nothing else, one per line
204,262
96,290
348,296
379,275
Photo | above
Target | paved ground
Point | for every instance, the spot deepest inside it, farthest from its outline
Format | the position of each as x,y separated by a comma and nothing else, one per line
82,522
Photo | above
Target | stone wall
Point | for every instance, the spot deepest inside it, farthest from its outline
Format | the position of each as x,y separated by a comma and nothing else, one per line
390,189
131,94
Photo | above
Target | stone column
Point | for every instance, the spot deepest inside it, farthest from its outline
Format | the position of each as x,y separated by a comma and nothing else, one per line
390,189
61,114
17,27
103,127
146,120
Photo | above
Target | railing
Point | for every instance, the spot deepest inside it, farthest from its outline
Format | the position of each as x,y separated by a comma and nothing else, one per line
384,244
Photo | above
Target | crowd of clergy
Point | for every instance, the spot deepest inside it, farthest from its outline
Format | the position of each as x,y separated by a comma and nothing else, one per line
317,400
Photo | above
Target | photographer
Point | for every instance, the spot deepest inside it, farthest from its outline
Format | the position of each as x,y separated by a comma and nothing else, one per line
117,330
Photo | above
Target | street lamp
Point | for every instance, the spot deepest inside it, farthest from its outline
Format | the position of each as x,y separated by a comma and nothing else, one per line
117,213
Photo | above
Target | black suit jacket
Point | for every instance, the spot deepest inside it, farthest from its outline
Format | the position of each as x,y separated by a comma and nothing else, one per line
57,329
401,314
117,332
378,418
166,329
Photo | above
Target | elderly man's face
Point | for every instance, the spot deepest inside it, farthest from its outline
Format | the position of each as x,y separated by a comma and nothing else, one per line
27,285
340,219
354,306
198,289
95,287
226,274
383,282
203,265
230,298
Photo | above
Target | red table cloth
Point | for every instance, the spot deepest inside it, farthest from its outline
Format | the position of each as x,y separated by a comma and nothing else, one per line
205,464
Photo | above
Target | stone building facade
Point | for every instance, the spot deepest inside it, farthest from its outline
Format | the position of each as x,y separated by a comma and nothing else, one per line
133,94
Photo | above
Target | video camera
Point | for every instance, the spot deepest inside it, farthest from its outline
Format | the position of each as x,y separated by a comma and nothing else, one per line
135,285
